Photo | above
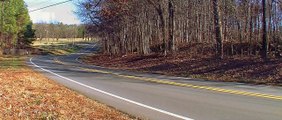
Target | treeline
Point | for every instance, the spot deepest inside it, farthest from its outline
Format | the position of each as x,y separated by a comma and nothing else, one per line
57,30
225,27
15,25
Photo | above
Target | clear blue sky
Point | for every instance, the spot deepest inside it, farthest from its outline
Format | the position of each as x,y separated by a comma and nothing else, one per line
62,13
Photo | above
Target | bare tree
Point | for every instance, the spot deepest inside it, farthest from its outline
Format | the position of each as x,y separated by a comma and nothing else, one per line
232,27
218,29
264,32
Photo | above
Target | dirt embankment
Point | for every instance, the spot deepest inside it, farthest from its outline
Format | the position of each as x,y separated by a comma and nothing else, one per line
234,69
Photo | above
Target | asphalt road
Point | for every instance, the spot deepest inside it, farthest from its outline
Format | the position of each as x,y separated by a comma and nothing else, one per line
147,97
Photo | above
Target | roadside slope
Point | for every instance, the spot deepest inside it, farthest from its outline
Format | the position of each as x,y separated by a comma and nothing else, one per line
246,70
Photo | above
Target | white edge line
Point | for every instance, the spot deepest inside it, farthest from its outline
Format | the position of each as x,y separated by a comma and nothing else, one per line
115,96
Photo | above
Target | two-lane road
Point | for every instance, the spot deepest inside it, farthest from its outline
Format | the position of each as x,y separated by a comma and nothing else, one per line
128,92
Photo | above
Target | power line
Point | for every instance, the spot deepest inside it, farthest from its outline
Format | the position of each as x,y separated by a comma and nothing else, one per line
50,6
40,3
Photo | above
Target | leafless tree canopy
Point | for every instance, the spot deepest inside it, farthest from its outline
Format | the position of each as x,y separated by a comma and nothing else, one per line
226,27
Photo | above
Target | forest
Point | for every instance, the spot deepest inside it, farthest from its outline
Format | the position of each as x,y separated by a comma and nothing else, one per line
220,28
57,30
15,25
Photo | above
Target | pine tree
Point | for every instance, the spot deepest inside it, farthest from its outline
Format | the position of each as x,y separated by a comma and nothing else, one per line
15,24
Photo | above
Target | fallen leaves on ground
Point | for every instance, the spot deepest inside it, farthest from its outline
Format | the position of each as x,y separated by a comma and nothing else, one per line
234,69
25,94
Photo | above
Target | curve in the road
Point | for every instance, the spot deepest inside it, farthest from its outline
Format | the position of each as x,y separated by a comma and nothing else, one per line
236,92
161,92
113,95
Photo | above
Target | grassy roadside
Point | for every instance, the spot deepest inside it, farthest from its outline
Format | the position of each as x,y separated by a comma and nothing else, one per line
26,94
58,47
9,62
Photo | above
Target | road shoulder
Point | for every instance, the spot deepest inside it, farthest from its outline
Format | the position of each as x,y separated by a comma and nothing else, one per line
27,94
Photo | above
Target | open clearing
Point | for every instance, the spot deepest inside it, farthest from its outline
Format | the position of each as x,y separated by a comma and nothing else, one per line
58,47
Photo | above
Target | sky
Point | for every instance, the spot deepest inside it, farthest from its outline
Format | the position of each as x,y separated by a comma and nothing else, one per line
61,13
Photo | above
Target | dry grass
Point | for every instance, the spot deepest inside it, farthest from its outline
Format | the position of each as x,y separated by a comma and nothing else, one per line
58,47
52,41
62,46
26,94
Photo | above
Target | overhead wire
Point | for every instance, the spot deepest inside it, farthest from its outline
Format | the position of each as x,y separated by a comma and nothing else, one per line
40,3
52,5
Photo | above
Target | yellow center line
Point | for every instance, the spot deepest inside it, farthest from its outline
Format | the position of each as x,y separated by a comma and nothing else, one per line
216,89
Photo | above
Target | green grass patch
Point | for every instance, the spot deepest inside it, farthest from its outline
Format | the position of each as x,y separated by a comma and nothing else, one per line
11,62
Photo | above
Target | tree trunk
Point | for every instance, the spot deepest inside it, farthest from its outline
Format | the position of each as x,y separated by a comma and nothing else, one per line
264,32
163,26
171,27
218,29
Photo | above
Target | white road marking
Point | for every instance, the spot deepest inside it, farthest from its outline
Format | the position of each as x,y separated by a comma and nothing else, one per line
79,53
115,96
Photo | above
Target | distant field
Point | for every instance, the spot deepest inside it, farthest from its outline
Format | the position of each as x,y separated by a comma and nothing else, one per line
61,46
61,41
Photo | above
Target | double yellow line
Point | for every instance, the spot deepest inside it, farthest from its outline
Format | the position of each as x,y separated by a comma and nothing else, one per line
229,91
